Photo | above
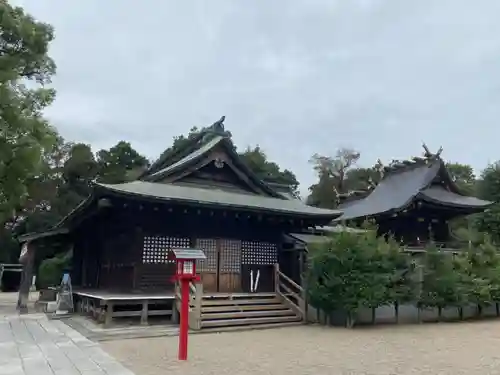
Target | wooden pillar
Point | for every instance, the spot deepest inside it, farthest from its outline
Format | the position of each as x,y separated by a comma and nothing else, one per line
144,312
303,283
198,303
109,314
175,311
276,278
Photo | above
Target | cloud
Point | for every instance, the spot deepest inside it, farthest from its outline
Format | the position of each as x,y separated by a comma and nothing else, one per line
295,77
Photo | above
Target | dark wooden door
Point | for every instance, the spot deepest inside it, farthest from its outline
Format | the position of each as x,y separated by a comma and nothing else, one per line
221,271
208,268
229,270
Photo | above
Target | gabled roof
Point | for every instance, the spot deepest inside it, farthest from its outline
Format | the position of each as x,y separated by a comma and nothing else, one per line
170,156
212,138
425,179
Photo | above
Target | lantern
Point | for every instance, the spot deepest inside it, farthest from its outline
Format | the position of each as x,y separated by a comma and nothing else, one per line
185,260
185,272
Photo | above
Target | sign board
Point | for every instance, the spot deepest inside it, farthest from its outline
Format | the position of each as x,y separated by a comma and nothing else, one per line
194,254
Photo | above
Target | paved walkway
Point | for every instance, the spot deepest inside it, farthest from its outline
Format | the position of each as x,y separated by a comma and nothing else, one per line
34,345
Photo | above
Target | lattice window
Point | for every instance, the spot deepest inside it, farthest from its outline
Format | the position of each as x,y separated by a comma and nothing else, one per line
264,253
156,249
230,256
209,246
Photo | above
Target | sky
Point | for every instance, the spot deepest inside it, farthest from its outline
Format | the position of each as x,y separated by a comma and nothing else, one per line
295,77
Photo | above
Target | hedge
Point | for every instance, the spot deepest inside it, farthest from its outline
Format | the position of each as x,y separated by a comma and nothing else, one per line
350,272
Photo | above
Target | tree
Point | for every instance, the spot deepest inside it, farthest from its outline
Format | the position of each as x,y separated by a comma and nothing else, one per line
25,69
439,280
347,273
379,271
483,265
489,189
182,141
402,287
489,183
338,175
120,163
463,176
336,167
323,193
257,161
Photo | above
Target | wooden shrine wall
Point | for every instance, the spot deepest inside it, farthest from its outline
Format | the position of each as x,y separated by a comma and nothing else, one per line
118,259
155,270
130,251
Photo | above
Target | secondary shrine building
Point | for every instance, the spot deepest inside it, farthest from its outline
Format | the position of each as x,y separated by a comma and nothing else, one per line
414,201
201,196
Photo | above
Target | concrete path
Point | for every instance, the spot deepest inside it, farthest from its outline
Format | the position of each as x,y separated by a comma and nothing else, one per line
34,345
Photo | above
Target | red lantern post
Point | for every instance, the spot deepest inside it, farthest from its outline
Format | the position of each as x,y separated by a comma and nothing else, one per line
185,273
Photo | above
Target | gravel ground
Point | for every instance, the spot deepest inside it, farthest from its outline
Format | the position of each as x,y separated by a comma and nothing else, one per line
446,348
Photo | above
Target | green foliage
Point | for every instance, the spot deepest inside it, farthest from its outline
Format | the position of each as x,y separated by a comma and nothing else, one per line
256,160
489,184
489,189
25,136
120,163
484,264
353,271
402,286
51,270
336,278
463,176
489,222
337,175
322,194
439,280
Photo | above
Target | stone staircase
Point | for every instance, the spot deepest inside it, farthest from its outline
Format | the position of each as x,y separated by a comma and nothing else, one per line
246,311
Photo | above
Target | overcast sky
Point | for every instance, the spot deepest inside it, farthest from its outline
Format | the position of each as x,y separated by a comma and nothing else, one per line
295,77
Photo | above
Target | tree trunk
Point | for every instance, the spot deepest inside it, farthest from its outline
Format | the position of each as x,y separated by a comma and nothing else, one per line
396,311
373,315
461,313
497,307
419,314
479,310
440,313
27,260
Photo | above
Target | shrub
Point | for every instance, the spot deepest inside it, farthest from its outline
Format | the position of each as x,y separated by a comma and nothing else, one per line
51,270
348,272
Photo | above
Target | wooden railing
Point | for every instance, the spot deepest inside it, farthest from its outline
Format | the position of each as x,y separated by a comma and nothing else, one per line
291,292
195,301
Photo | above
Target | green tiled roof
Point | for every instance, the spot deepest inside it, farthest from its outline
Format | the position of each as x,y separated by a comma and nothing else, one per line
205,196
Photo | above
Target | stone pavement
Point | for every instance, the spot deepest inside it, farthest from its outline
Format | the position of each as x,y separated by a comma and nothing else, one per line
34,345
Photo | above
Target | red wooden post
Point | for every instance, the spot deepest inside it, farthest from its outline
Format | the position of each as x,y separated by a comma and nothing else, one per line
184,317
185,271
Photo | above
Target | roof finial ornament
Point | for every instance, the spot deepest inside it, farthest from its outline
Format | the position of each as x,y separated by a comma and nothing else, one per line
379,167
427,153
438,154
219,125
